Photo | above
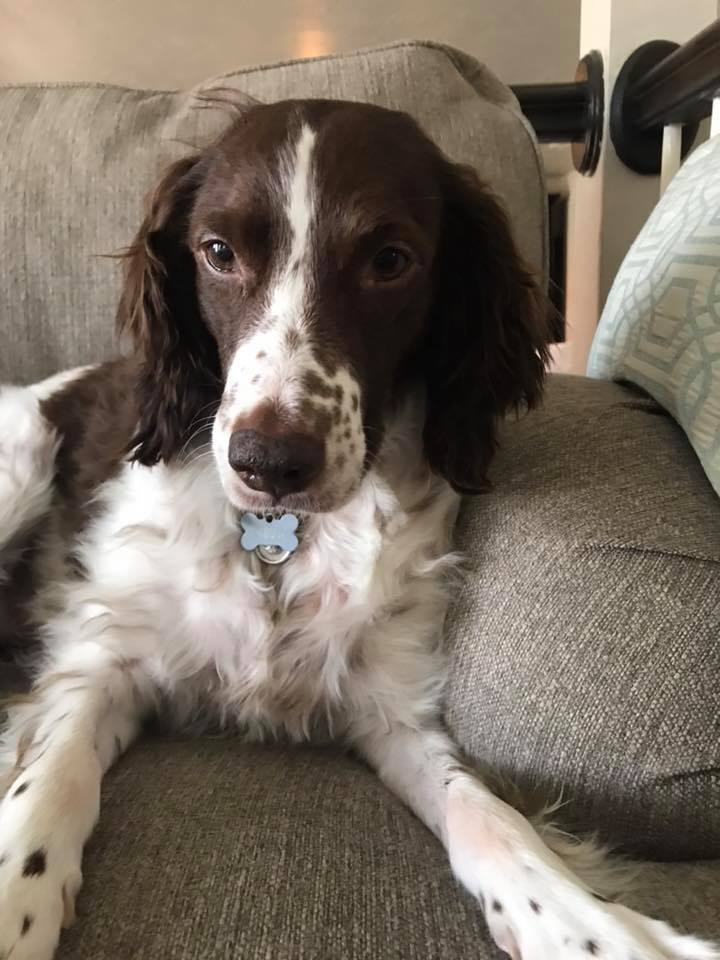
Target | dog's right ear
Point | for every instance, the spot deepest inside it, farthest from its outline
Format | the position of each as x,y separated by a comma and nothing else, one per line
180,369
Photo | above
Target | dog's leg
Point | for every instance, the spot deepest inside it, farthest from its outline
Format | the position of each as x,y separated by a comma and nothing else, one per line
28,444
58,743
536,907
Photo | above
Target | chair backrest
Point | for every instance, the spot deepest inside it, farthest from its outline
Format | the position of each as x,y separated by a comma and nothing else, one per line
77,160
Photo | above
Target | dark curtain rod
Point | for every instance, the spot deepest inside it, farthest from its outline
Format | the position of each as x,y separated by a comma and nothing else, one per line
660,83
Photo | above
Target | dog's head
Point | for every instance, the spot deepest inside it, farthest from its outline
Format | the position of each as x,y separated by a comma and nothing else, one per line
290,279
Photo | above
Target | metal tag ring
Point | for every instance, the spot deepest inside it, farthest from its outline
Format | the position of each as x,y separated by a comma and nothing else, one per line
272,554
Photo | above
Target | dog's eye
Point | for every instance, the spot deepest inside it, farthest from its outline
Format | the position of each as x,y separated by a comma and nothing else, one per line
219,255
390,263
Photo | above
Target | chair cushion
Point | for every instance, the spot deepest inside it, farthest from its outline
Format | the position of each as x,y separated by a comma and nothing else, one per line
584,644
660,327
76,160
209,849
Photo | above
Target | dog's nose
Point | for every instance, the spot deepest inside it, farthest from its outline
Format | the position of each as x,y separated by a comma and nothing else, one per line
276,465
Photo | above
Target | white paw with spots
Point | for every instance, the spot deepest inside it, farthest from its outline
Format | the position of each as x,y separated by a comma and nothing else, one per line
536,909
39,875
37,896
535,921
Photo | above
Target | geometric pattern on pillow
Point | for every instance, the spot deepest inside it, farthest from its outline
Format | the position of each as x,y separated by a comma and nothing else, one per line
660,328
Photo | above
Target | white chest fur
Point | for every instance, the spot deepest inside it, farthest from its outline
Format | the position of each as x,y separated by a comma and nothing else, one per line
349,623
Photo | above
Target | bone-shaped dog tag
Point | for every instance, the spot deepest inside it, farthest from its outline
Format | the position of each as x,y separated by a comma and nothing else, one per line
271,538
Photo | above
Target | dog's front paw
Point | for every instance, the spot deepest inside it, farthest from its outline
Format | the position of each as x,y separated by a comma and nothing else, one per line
37,898
543,921
39,873
536,908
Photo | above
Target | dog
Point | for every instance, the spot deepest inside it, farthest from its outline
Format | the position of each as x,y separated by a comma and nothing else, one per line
248,517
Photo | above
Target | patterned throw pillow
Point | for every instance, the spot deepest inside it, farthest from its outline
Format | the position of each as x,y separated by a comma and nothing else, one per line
661,325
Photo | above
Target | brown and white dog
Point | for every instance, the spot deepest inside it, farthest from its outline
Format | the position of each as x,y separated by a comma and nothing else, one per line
328,319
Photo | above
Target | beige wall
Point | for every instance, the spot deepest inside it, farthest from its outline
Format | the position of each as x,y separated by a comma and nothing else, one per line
175,43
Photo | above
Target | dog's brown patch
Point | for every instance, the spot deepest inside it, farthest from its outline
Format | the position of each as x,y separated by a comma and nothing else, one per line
35,863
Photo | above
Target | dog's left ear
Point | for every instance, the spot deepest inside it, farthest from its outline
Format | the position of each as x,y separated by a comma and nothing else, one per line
487,343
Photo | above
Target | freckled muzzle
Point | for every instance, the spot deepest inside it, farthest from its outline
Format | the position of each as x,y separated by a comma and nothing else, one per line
290,424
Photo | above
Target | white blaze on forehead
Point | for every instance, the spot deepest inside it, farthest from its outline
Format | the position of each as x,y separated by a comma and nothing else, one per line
300,205
270,365
289,294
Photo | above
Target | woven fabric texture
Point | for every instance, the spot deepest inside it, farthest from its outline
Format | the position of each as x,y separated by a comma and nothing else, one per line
76,161
585,654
